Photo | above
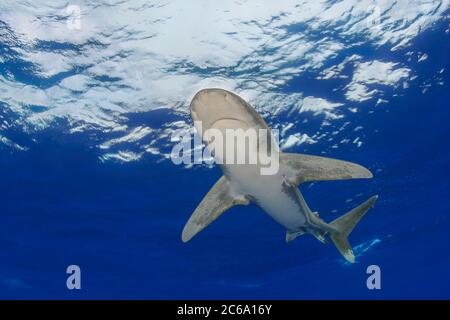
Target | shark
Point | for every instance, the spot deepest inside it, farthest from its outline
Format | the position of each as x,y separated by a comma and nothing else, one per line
278,193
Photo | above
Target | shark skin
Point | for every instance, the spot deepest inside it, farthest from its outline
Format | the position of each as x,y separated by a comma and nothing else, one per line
276,194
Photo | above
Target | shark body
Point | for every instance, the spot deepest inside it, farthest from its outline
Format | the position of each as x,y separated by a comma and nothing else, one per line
277,194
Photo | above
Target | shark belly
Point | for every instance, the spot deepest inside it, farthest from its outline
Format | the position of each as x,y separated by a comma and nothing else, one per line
269,193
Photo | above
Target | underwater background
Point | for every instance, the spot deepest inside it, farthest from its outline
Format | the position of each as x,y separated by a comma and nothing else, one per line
91,92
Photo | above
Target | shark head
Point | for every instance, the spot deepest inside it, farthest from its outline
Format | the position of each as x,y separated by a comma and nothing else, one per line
226,122
220,109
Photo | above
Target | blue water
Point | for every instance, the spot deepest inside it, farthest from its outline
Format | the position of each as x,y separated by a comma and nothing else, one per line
121,222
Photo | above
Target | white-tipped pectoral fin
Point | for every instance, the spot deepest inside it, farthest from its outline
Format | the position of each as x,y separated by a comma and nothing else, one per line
300,168
219,199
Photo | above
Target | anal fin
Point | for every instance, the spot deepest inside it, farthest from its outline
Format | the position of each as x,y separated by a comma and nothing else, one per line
292,235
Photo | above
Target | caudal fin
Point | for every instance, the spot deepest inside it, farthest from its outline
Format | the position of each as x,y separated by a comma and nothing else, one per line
344,226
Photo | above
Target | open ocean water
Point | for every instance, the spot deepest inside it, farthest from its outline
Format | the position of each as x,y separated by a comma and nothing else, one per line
91,91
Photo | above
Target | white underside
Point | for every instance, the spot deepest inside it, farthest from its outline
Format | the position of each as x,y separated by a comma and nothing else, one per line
267,190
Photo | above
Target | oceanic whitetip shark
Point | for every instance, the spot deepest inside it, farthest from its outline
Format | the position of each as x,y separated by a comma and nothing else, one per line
277,194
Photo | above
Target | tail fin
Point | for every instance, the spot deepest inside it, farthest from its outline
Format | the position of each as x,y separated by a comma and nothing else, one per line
345,224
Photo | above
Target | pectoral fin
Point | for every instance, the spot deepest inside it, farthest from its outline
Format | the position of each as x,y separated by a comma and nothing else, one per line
300,168
219,199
